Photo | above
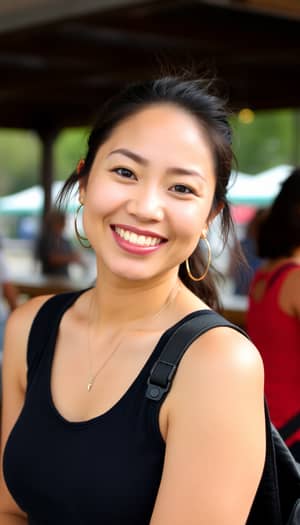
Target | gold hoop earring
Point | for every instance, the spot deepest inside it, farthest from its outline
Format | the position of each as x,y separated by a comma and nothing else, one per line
187,264
83,241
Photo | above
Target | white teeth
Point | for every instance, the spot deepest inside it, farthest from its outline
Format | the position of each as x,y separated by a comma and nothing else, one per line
133,238
140,240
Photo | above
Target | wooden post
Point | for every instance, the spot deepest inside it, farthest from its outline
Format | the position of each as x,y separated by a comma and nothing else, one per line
47,137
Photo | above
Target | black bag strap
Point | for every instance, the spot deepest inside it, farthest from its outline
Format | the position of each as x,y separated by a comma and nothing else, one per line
163,371
267,501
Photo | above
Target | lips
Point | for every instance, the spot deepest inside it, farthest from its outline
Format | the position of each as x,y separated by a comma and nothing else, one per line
137,237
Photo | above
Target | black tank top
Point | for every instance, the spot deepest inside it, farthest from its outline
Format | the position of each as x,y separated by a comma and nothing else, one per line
104,471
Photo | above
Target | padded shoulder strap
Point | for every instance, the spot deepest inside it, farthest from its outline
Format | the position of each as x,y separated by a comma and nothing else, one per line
44,322
163,371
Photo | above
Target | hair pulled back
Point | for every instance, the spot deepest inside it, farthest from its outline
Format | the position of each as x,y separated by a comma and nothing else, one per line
194,97
279,233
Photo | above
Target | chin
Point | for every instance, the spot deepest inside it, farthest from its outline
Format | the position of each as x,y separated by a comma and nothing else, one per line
131,276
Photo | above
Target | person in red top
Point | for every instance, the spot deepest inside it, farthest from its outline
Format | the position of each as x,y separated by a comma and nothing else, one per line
273,320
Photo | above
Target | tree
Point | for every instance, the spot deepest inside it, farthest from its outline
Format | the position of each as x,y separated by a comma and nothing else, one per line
265,142
70,146
20,160
270,139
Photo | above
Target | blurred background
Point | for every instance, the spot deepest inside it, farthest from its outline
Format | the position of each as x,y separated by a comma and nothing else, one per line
59,61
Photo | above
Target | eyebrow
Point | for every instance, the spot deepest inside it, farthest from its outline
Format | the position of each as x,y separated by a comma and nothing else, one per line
134,156
144,162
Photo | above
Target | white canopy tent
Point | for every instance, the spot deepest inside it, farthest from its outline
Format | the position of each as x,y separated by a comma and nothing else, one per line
30,201
250,190
258,190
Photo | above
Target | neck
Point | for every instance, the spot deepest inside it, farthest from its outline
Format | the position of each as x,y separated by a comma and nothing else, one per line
115,302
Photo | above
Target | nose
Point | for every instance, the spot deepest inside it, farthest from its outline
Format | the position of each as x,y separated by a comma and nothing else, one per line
146,205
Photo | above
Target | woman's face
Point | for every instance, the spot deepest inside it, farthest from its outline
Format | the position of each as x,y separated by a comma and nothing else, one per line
149,193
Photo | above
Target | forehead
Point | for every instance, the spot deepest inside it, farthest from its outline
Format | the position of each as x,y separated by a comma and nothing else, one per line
162,127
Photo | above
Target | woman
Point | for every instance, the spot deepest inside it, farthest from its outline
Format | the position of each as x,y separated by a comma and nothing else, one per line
274,310
88,446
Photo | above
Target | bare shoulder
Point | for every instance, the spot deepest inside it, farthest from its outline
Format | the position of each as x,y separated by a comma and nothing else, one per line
226,349
221,350
16,336
222,362
21,318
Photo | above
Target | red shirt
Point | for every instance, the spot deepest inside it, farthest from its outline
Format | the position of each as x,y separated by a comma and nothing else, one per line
277,336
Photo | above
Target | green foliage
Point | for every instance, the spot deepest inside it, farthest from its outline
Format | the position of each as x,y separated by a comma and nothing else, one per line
271,139
19,160
70,146
20,157
266,142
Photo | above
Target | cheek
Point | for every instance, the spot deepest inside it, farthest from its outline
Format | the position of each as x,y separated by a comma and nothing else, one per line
192,218
102,199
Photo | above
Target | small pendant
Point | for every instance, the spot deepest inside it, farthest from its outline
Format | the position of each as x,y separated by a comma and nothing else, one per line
90,384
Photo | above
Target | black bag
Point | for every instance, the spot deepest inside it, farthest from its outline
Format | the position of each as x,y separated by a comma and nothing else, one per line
277,501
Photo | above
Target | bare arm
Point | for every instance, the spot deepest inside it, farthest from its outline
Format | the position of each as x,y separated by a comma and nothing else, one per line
13,391
215,446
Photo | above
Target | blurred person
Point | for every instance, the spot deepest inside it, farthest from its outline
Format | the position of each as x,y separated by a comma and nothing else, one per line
242,274
273,319
53,249
87,446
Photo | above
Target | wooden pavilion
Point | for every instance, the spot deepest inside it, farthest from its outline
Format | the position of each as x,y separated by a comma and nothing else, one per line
60,60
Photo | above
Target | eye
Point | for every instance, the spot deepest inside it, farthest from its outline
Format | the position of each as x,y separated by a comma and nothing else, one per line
124,172
182,188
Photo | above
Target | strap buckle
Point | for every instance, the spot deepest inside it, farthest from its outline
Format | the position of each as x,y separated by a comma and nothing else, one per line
160,379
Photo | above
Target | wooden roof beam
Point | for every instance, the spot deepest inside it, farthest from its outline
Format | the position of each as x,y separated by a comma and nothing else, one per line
25,13
279,8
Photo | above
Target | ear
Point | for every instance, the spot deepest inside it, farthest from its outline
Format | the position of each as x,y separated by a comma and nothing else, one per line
81,191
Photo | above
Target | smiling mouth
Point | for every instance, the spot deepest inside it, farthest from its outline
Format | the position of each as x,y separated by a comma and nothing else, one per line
138,240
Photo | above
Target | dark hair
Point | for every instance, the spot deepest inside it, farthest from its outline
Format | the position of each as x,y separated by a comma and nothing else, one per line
194,97
279,233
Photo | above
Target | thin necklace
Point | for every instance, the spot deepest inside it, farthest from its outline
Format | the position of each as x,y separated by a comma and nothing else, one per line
93,376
